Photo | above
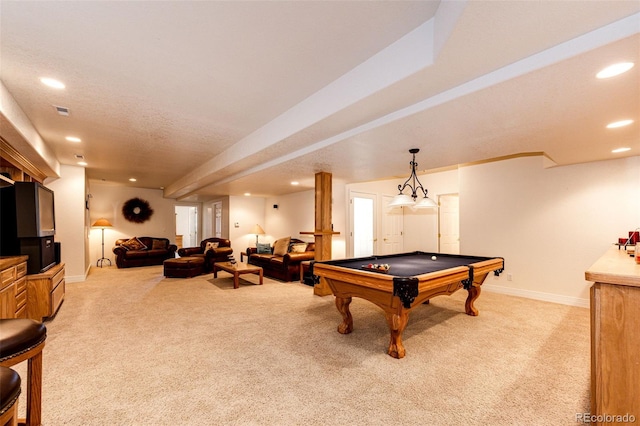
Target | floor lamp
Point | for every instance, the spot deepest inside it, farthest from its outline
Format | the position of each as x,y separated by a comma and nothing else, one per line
102,223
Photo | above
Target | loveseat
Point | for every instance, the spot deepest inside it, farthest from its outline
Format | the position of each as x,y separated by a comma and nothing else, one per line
219,251
282,259
143,251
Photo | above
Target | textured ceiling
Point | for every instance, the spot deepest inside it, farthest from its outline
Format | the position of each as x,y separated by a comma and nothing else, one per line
216,98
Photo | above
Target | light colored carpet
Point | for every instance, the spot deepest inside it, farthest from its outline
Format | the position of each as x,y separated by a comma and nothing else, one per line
130,347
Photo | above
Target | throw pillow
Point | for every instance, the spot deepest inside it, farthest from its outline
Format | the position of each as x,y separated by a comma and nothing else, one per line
264,248
158,244
281,246
134,244
298,247
210,246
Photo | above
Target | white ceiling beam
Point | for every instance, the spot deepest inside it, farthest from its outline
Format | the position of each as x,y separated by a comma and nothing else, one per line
408,55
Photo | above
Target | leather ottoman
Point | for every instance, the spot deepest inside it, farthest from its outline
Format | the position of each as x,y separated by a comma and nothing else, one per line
183,267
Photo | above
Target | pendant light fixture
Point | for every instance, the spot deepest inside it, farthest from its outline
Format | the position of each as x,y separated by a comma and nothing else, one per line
417,190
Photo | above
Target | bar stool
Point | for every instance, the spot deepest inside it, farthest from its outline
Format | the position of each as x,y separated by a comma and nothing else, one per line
9,393
23,340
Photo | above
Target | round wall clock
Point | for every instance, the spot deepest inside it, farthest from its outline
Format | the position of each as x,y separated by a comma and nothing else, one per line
137,210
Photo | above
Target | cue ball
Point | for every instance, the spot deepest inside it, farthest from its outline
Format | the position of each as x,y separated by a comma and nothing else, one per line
433,258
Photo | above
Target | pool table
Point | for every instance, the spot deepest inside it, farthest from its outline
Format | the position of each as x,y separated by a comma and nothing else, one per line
412,279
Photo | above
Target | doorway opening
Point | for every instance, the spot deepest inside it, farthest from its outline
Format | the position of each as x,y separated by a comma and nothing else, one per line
362,224
187,226
217,219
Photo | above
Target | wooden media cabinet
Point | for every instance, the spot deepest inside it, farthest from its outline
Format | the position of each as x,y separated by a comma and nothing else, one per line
45,293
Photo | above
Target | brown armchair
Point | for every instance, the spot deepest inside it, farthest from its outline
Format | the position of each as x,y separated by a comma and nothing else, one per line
218,254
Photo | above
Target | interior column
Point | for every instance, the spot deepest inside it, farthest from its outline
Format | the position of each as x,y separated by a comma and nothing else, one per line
323,227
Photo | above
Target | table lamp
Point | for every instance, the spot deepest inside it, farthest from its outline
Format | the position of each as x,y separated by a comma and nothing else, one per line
102,223
258,231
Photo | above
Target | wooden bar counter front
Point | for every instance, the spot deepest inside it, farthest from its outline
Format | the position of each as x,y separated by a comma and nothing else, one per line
615,337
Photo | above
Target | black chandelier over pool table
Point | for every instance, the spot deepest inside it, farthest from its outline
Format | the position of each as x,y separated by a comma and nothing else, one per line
413,182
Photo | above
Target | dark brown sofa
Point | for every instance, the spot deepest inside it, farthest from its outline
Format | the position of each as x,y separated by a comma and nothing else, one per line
219,254
286,267
154,252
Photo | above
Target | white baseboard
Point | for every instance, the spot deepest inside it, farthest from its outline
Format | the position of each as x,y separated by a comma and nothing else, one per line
537,295
77,278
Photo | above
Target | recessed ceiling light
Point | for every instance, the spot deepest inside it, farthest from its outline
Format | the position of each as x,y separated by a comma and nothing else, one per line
620,123
73,139
615,69
82,163
247,194
132,179
618,150
51,82
294,183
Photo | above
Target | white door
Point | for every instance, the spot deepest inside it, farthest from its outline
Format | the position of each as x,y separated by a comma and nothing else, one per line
449,224
362,224
392,228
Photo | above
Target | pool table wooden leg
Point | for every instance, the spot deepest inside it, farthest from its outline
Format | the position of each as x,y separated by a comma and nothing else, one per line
474,293
397,323
342,303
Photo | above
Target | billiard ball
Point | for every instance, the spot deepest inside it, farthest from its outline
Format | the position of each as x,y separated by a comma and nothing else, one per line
433,258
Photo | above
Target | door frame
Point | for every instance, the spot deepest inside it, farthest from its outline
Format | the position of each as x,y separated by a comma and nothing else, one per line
350,236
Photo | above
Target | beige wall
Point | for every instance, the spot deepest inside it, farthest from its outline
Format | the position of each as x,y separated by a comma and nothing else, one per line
339,216
71,217
246,212
107,201
295,214
551,224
